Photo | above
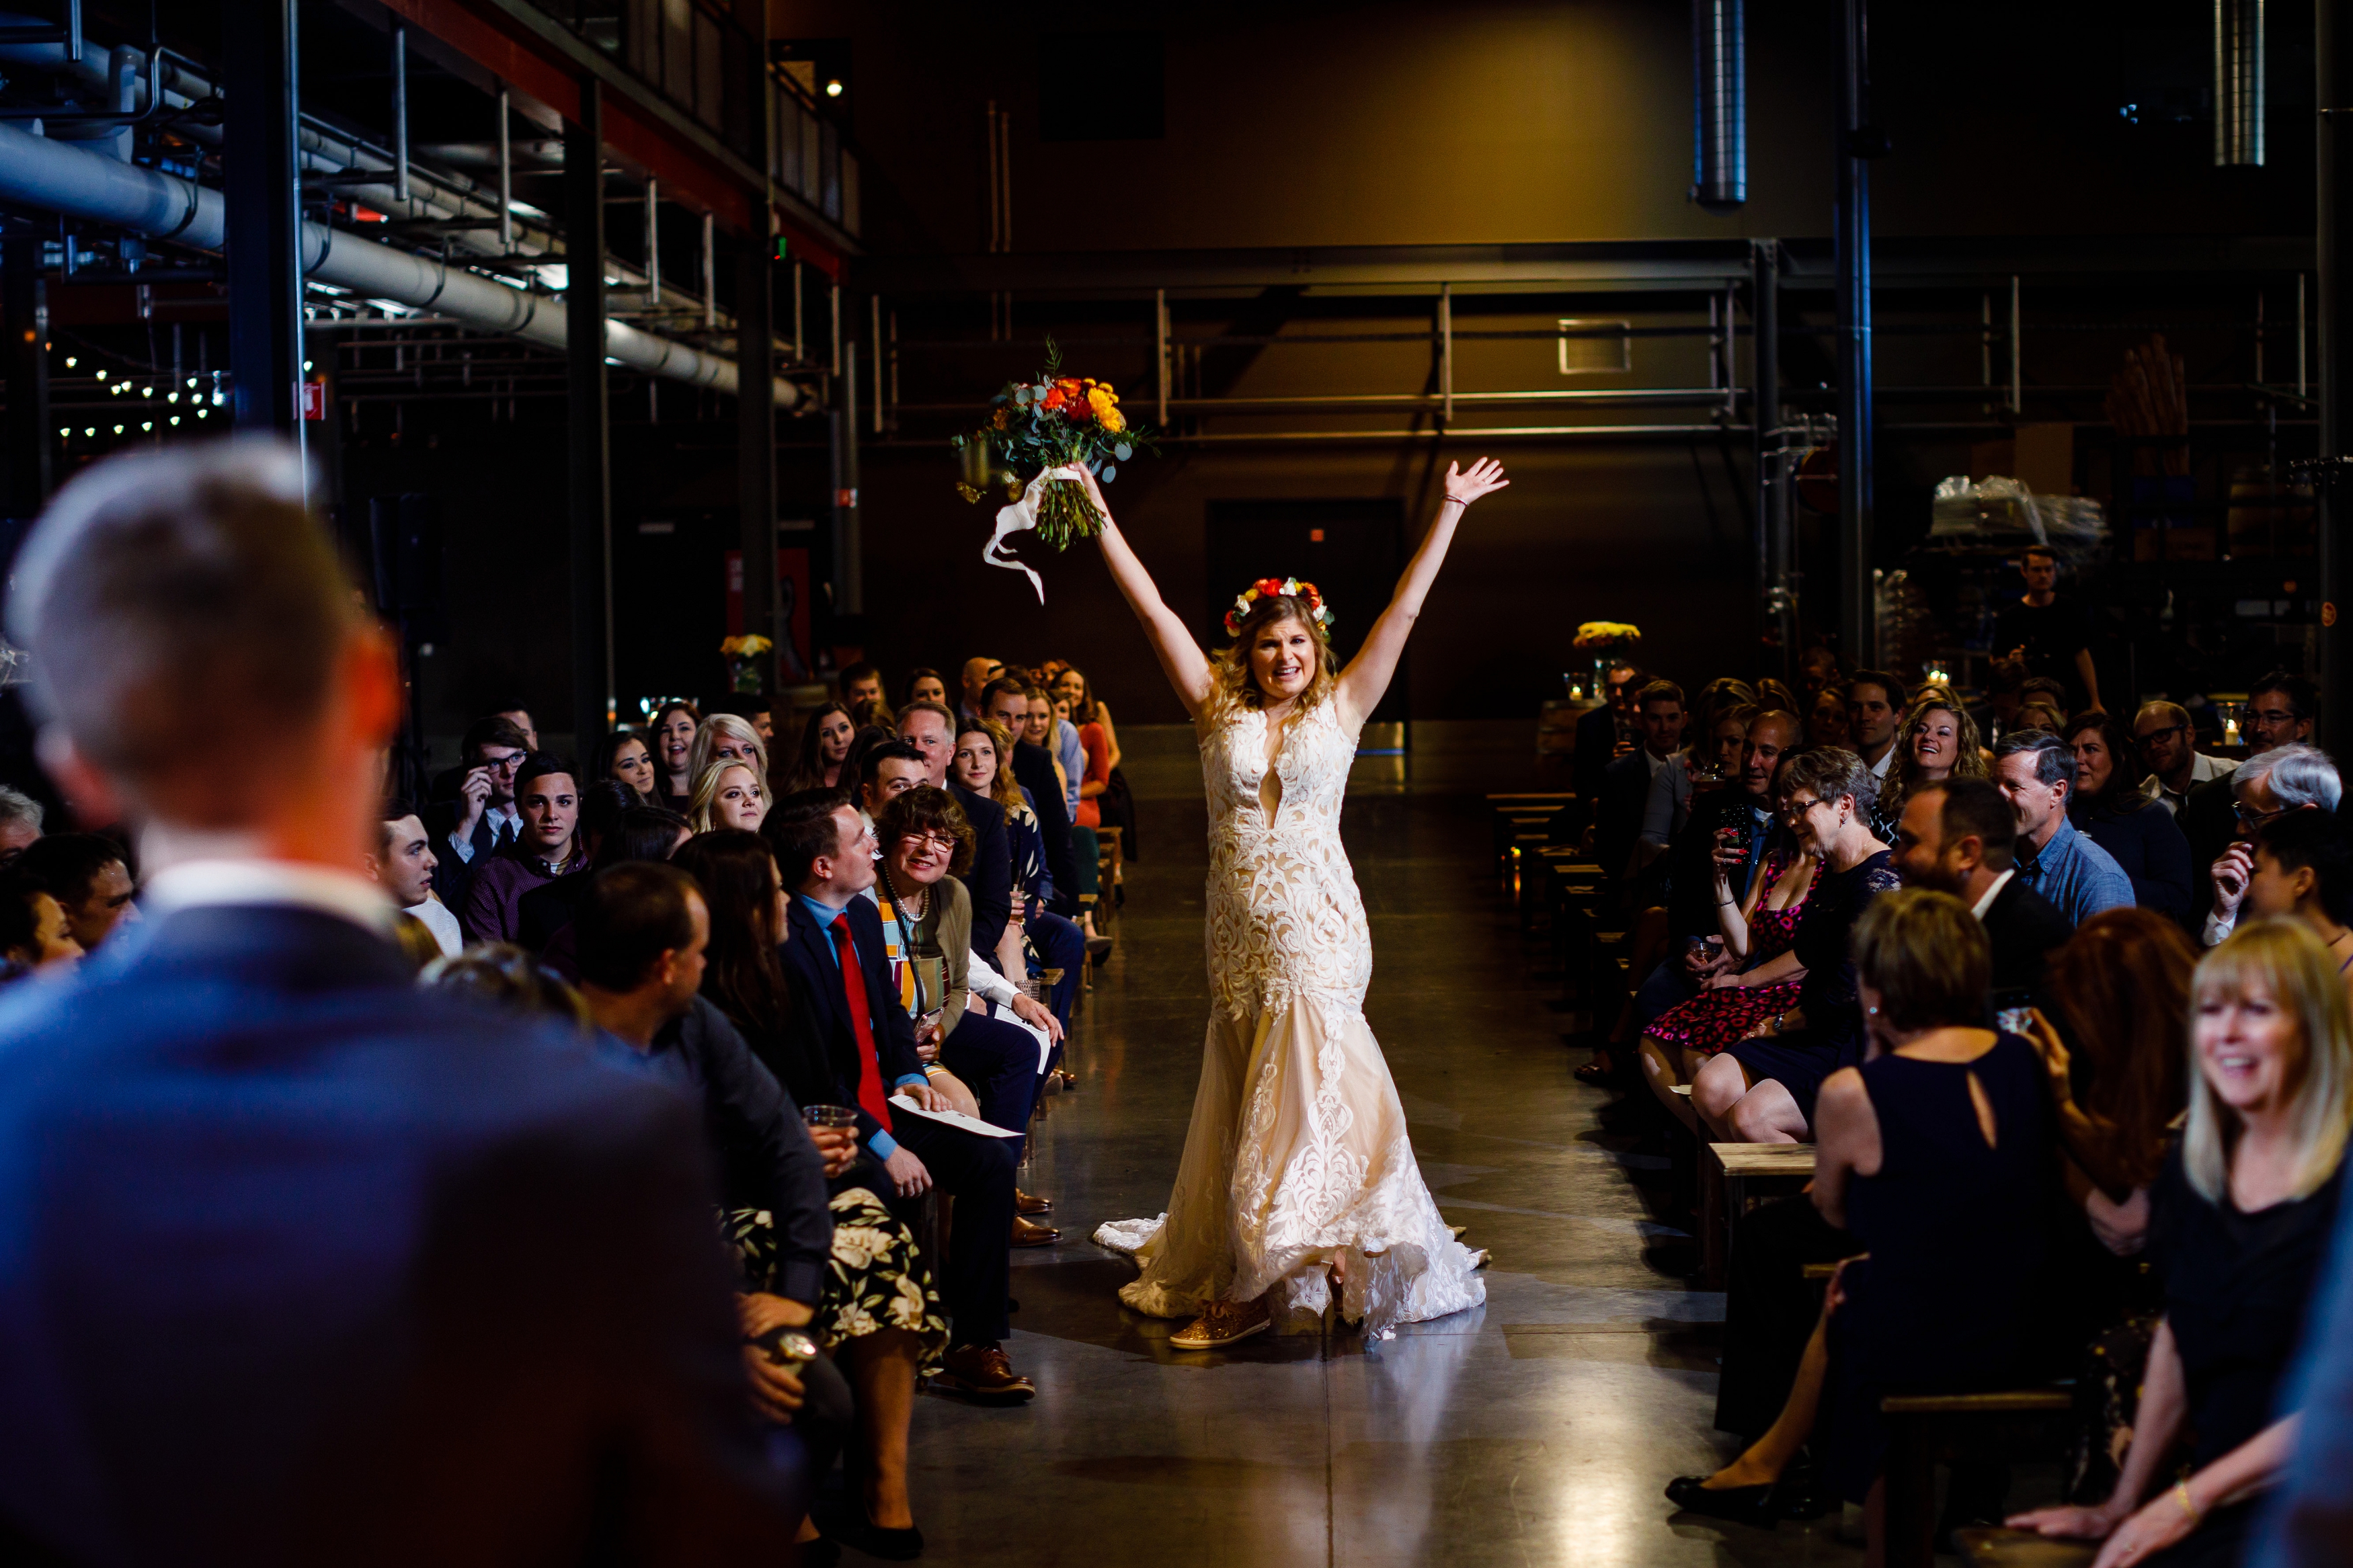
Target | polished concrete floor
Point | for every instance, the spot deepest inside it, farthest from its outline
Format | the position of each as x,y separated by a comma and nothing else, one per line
1539,1429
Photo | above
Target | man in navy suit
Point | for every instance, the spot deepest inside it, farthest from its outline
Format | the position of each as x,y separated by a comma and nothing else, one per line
847,1017
305,1264
931,729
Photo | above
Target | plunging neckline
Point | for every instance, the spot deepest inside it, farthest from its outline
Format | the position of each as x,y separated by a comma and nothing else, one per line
1270,748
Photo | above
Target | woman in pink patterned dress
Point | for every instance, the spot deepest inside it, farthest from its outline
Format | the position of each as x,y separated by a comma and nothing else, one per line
1755,930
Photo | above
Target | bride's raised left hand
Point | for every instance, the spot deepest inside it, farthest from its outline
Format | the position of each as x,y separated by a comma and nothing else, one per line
1483,475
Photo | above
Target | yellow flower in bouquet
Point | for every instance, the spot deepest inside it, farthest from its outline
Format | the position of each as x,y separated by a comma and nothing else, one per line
749,646
1607,634
1056,422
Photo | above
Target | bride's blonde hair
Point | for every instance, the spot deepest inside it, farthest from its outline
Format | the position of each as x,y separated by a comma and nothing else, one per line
1231,688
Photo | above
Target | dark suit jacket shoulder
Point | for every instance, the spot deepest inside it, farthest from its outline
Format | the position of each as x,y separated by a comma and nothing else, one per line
2209,823
1033,770
2023,928
351,1200
990,879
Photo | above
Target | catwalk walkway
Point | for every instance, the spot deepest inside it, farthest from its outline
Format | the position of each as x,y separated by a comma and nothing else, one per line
1537,1430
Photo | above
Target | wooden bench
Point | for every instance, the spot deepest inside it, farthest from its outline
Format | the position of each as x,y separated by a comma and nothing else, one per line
1724,1174
1921,1427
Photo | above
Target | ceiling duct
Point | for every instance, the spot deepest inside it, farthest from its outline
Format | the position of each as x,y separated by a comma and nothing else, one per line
1720,104
2238,82
61,178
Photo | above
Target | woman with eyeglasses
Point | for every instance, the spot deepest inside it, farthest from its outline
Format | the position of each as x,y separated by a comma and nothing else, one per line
1761,1089
2115,806
987,1066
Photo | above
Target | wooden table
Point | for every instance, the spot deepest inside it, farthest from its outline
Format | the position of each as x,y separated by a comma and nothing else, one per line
1725,1171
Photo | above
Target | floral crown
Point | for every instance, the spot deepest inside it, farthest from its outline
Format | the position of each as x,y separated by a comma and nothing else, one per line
1278,587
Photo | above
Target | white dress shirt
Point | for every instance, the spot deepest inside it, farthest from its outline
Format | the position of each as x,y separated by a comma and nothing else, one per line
441,924
1982,905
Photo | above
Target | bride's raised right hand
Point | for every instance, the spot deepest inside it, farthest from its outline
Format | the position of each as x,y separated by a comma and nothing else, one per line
1094,493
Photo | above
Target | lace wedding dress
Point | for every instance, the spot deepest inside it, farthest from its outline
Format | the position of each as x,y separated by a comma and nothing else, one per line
1298,1153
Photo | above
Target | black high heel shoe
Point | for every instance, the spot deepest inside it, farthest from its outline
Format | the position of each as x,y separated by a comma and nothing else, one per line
1740,1505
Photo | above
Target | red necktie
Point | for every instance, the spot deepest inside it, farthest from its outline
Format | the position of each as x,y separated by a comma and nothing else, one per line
871,1096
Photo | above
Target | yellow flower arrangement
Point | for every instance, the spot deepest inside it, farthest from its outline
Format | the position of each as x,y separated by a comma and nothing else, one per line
1607,634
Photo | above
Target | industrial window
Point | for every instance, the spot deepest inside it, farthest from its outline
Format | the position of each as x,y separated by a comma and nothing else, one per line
1591,347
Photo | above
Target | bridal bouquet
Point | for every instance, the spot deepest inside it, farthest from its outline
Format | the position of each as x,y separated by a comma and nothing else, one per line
1038,436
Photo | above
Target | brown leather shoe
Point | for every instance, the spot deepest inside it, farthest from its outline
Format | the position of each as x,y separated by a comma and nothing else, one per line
1023,1203
982,1373
1027,1232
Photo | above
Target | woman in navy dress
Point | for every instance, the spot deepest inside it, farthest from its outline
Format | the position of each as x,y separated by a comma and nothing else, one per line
1935,1155
1761,1089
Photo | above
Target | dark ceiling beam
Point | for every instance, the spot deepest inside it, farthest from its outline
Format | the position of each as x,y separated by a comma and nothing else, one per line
1963,261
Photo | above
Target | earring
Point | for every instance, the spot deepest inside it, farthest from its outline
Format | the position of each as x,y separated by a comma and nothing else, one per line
1870,1012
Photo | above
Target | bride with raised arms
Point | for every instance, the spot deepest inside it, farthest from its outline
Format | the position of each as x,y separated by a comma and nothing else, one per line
1298,1177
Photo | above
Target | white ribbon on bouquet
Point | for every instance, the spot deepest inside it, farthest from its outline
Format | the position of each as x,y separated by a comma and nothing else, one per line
1023,515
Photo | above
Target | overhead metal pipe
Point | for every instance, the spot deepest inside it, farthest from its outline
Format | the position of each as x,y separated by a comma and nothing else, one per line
2238,82
400,110
1859,141
1719,104
56,177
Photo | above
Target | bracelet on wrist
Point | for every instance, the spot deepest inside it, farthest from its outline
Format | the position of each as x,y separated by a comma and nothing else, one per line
2181,1496
935,1072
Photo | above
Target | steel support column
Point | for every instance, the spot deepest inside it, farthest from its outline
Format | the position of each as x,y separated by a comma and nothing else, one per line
848,563
23,305
1765,403
259,85
1857,143
2333,71
591,467
755,459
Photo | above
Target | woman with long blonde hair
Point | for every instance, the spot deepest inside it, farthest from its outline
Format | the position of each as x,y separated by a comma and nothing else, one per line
1937,740
2243,1216
1315,1198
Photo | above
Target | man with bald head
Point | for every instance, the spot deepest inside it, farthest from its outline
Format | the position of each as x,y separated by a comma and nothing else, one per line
976,675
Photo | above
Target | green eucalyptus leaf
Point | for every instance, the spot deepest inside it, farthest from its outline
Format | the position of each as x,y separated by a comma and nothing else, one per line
1107,475
1122,451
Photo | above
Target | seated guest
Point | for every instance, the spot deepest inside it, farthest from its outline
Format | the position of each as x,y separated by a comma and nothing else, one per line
927,933
1626,783
729,793
2268,785
1875,707
1604,734
1712,758
20,823
2113,806
1105,784
1761,1088
85,873
888,769
611,831
853,760
2036,772
1752,931
479,817
673,735
2165,742
1932,1156
930,728
861,682
505,977
976,674
924,685
34,931
848,1024
825,747
624,755
1959,837
403,863
363,1208
1937,740
1742,817
2115,1047
1058,737
982,768
446,784
2303,868
1826,722
2243,1214
880,1311
724,737
1006,704
2282,710
643,930
1817,671
550,801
